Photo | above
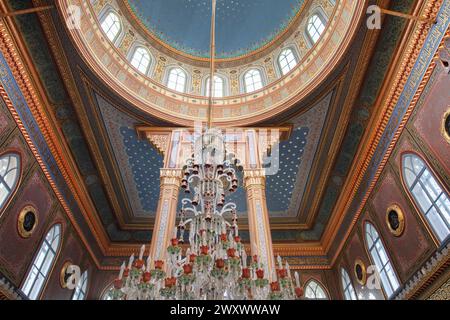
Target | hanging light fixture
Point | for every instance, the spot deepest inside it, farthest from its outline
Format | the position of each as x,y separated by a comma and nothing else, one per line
214,265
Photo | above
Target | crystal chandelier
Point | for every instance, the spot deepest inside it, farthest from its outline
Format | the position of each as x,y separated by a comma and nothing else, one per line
214,265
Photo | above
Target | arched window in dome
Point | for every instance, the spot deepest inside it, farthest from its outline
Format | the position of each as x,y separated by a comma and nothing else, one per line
381,260
253,80
81,288
287,60
111,25
218,87
315,27
42,263
313,290
428,193
177,80
9,176
347,286
141,59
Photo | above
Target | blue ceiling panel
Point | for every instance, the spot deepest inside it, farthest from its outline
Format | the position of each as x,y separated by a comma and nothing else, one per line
279,187
242,25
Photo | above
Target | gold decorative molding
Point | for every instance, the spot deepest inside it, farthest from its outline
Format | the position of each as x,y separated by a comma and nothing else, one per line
401,220
363,279
444,132
63,273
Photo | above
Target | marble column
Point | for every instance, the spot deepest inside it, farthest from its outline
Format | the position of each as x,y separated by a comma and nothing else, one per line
166,212
258,219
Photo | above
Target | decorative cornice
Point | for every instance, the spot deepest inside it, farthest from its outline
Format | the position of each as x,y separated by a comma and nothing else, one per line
426,275
405,62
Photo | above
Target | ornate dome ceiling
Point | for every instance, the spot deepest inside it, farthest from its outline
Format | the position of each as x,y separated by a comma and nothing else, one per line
271,67
242,26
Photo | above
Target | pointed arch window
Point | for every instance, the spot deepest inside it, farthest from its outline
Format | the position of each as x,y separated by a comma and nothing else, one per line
218,87
108,293
141,59
81,288
42,263
347,286
9,176
287,61
381,260
433,201
112,26
177,80
313,290
253,80
315,27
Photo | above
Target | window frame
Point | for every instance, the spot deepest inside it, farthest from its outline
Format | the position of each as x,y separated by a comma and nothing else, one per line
244,82
347,286
323,19
186,80
409,190
17,180
52,262
133,51
319,285
387,254
103,16
296,60
224,86
79,288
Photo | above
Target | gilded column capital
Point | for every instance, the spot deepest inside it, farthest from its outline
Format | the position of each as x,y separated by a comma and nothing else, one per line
171,177
254,177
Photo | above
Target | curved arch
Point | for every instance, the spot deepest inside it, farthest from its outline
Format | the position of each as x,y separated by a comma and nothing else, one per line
10,173
176,79
140,58
80,292
428,193
315,290
380,258
347,286
253,80
111,24
43,263
106,293
287,60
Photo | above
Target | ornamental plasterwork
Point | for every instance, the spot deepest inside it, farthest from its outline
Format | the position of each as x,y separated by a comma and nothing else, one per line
197,82
99,5
127,42
160,142
159,70
443,293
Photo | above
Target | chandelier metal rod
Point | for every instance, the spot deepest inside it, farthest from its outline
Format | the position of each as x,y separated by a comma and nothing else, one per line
212,61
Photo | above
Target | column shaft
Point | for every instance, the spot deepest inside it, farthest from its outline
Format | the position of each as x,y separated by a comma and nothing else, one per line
166,212
258,218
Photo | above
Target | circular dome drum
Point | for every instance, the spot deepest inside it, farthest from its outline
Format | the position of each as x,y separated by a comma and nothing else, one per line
154,53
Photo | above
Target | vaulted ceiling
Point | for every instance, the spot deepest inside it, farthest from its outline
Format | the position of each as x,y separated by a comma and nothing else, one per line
118,173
